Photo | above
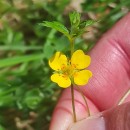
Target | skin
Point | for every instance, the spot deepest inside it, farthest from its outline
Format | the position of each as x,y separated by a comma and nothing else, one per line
110,82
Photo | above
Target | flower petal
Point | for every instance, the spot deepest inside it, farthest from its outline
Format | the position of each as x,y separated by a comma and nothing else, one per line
58,61
80,60
82,77
62,80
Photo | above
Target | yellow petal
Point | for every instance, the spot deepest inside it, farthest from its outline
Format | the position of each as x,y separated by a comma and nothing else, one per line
80,60
62,80
58,61
82,77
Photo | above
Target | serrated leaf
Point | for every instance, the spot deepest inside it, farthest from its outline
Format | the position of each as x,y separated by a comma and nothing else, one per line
87,23
56,25
75,19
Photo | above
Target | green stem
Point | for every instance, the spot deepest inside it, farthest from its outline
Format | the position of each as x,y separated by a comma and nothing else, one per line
84,100
73,105
124,97
72,87
71,46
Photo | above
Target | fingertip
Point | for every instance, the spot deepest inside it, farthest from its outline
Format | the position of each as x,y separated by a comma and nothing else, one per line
93,123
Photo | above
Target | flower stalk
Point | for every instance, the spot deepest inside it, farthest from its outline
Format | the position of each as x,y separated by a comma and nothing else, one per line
72,86
71,46
73,104
88,110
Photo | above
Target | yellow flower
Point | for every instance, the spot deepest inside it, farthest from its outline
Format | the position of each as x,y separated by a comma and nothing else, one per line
70,71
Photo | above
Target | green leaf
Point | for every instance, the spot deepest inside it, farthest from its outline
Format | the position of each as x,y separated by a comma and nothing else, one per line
19,59
6,94
33,98
75,19
87,23
7,100
19,48
56,25
6,89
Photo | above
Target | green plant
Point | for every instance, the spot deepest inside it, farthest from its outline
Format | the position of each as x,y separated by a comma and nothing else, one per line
25,48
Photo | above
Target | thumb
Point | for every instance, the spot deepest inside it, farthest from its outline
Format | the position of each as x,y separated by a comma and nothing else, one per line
117,118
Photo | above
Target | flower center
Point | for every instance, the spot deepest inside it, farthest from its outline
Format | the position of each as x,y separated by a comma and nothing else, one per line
69,70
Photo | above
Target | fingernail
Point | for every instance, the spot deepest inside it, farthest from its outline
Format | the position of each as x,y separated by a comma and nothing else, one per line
92,123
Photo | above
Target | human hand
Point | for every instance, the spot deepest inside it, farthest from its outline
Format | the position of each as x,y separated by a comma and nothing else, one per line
110,82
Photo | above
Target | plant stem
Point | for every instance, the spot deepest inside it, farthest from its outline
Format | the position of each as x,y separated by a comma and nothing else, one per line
73,105
72,87
84,100
71,46
124,97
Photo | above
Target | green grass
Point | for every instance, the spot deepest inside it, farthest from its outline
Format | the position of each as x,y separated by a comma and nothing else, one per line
25,48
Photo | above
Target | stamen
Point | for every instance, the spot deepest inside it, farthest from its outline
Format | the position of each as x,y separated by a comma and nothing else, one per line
73,65
64,76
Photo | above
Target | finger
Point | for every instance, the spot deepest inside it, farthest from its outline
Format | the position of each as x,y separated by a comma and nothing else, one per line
110,66
110,81
117,118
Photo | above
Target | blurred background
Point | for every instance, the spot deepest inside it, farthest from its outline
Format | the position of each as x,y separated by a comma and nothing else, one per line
27,96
